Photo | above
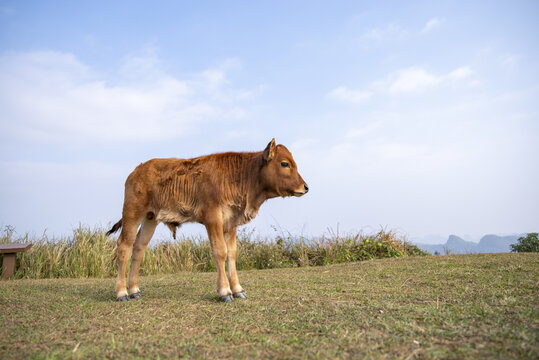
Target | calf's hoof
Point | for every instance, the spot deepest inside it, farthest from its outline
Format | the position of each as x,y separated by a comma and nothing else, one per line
241,295
123,298
135,296
226,298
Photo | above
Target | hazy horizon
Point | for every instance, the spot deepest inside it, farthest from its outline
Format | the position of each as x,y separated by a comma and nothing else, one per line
419,117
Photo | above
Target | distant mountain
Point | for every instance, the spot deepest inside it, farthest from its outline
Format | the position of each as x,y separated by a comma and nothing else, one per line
454,243
495,243
487,244
460,245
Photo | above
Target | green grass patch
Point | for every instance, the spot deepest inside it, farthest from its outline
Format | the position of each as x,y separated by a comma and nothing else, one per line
482,306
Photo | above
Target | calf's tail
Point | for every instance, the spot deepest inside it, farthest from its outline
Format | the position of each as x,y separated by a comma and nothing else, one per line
115,228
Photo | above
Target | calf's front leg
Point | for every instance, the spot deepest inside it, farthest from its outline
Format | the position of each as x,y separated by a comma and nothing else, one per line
237,290
219,251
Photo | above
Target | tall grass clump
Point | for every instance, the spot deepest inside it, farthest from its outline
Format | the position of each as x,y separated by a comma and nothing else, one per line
336,249
90,253
87,253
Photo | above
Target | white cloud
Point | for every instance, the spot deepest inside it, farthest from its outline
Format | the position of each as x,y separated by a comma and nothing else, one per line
417,79
55,97
412,80
395,31
342,93
431,24
214,78
390,31
510,60
460,73
365,129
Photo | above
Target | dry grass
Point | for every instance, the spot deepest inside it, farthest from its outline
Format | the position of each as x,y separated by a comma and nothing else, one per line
90,253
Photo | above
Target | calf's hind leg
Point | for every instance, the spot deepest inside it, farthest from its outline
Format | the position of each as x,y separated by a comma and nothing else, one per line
125,248
219,251
143,238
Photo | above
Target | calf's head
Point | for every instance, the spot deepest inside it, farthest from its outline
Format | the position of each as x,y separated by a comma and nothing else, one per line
280,173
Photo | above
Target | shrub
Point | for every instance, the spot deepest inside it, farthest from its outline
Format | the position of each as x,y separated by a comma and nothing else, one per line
530,243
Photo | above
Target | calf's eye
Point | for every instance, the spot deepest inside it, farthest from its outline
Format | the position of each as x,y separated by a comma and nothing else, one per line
285,164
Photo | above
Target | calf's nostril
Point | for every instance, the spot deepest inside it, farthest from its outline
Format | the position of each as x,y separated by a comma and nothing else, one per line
306,187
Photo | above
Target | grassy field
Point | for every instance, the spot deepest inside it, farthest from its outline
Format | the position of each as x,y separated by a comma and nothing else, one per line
463,306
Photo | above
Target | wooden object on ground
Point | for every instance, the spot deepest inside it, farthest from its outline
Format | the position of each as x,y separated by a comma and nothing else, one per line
10,254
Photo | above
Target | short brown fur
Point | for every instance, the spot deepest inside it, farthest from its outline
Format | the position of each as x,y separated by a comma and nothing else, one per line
220,191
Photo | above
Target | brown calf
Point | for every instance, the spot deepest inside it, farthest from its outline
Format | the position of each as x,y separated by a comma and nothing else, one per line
220,191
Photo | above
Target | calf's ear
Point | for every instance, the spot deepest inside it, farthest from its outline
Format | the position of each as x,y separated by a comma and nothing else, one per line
269,152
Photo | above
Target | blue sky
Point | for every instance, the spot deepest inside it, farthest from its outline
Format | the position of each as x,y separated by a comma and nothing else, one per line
420,117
